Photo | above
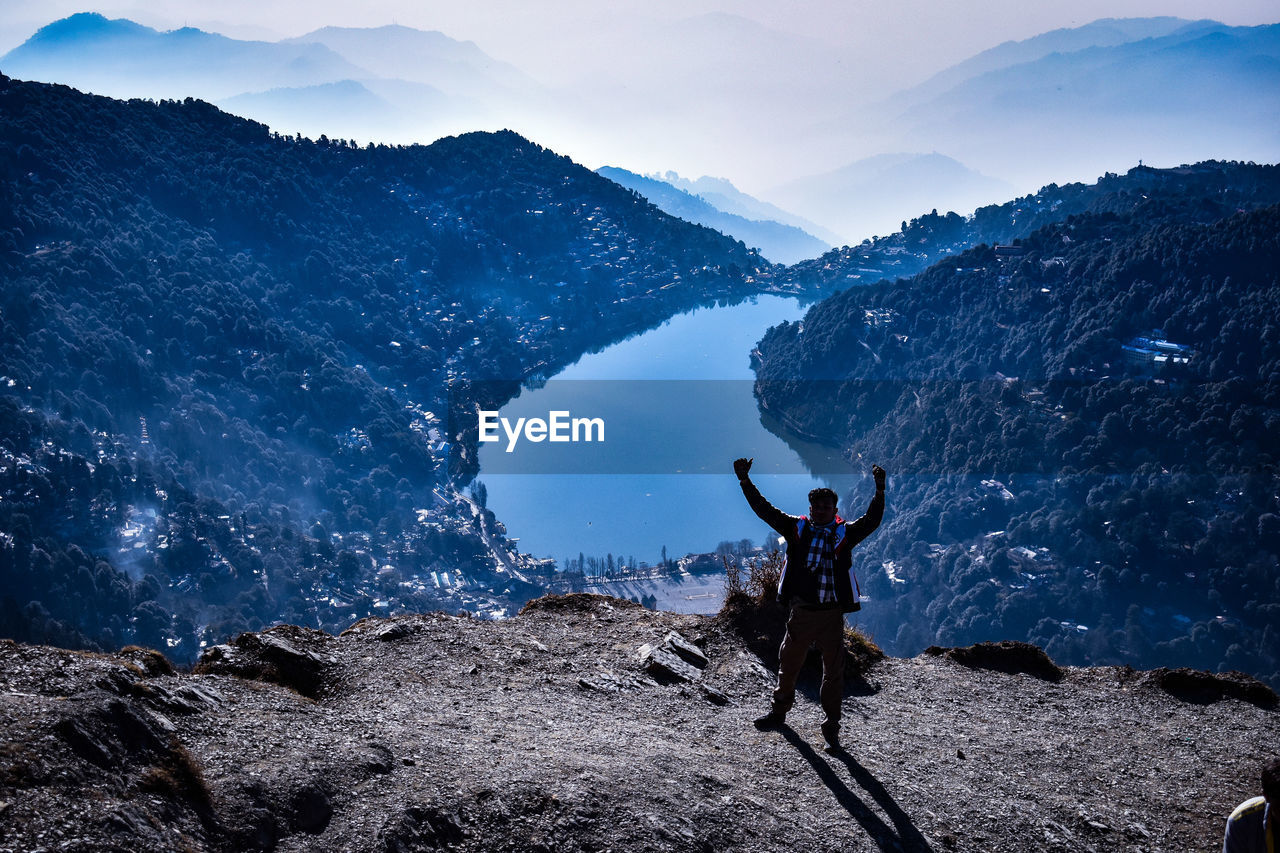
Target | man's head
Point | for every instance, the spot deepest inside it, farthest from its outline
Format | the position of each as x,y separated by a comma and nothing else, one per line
1271,781
822,506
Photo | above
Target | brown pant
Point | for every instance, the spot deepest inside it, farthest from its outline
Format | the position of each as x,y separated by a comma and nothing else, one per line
805,628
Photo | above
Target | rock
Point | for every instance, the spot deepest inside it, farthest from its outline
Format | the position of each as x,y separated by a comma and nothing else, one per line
714,695
576,749
1202,688
129,819
420,828
310,808
578,602
674,659
287,655
199,695
112,736
375,758
182,699
666,665
607,681
395,631
165,724
1005,656
685,649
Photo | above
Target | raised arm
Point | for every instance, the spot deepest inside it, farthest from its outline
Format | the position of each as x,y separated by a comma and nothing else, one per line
769,514
863,527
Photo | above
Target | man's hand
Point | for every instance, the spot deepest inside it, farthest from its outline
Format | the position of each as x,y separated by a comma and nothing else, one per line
878,473
742,467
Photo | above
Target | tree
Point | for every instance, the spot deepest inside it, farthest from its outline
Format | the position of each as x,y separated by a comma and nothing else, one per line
348,565
151,625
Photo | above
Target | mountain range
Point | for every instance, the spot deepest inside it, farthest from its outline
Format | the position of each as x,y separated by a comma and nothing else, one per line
389,84
1106,32
122,59
725,196
784,244
1200,91
1063,106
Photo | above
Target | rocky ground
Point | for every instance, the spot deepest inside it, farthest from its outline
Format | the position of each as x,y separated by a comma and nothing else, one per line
553,731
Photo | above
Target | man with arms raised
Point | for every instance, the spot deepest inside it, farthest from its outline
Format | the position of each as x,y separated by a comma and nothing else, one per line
818,586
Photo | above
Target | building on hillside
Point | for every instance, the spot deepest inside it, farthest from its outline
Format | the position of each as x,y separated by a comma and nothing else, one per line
1156,351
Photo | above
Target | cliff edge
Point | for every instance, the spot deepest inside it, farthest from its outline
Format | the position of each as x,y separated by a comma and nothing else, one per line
591,724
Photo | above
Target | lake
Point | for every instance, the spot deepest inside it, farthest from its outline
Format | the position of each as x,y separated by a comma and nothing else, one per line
658,420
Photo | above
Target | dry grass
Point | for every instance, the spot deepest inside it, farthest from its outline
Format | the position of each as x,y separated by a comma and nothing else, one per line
861,652
574,602
761,583
178,776
20,767
152,662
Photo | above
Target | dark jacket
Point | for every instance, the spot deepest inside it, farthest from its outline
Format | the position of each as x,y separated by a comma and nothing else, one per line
797,582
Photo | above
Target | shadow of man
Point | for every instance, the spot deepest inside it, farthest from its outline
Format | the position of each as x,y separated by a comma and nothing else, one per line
902,837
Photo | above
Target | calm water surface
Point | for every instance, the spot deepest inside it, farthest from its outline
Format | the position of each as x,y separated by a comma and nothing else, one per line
677,408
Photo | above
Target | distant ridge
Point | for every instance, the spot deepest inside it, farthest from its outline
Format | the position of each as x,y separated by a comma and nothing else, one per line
1060,106
124,59
369,110
87,24
422,56
1105,32
1204,90
872,196
721,193
784,244
391,84
929,237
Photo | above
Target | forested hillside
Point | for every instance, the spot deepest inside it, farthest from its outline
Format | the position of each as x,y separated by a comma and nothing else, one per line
1211,190
1081,431
227,357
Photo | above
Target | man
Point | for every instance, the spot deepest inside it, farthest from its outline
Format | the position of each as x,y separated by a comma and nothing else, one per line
1252,826
818,586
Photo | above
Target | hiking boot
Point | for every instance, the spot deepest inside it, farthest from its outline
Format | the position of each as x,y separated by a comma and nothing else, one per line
771,720
831,736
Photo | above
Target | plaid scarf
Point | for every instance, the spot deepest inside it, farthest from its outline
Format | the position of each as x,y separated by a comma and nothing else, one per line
820,560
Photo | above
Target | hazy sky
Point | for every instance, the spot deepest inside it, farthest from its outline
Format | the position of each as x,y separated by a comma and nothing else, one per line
706,87
905,39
